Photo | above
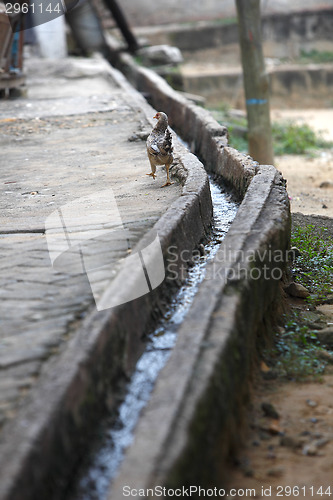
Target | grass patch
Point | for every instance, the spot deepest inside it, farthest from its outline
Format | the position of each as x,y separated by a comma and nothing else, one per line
289,137
296,354
237,141
316,56
310,57
314,267
294,139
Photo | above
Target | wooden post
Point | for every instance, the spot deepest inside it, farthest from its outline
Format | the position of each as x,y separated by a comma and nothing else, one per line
256,82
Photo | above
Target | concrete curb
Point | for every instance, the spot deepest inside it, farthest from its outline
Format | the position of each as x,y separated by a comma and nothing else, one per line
42,444
195,412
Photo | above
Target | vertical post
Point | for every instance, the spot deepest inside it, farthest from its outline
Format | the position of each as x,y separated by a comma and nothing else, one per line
120,19
256,82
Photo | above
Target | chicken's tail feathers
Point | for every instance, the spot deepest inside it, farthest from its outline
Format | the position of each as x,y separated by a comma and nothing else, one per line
168,142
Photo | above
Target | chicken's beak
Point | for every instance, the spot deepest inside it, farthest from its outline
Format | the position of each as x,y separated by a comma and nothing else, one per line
155,116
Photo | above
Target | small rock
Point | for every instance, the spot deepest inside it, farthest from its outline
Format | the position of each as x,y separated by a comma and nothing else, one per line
322,442
310,450
313,319
325,356
269,410
295,252
303,441
245,466
326,184
290,442
325,336
276,472
274,427
160,55
247,471
324,206
264,435
311,403
305,433
297,290
314,420
317,326
328,299
201,249
138,136
271,375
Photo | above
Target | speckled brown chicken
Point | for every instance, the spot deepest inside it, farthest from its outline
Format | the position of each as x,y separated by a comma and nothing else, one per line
159,146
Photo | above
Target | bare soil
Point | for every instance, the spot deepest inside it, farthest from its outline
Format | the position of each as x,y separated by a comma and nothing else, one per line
295,450
309,180
292,455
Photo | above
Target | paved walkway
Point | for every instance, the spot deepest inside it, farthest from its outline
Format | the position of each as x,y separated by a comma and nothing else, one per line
80,131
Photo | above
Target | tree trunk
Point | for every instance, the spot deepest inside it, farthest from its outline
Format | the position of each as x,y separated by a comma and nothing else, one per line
256,83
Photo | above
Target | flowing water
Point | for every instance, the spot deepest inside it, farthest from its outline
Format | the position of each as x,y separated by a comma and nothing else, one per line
104,462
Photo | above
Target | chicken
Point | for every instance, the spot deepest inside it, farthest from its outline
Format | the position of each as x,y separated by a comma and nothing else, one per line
159,146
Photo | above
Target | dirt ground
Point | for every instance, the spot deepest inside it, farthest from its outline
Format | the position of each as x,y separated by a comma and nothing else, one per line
294,451
309,180
291,454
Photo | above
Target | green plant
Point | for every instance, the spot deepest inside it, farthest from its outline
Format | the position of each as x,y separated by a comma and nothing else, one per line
288,137
138,60
314,267
226,20
291,138
237,141
237,126
299,363
316,56
296,351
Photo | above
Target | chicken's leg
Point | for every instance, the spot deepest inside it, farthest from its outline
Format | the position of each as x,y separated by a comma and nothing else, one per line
153,170
168,182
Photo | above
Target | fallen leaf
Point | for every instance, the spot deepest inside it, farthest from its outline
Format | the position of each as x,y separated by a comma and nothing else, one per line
263,367
274,427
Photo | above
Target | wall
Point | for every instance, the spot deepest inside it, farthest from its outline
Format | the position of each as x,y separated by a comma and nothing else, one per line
147,12
291,86
211,53
284,35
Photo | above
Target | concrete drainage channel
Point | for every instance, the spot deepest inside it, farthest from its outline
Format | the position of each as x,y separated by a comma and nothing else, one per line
194,412
104,463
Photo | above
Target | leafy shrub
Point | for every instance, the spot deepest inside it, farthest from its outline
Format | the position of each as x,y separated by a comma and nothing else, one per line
294,139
